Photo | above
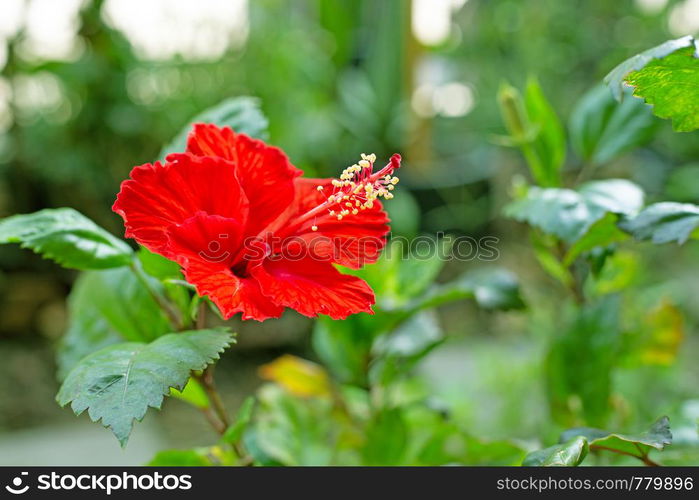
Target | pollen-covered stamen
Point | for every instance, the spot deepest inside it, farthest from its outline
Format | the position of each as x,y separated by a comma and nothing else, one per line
359,186
357,189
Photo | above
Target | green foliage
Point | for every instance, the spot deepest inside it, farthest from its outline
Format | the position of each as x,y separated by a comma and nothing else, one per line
568,454
66,237
667,77
118,383
234,433
639,446
664,222
570,214
242,114
196,457
535,128
582,389
601,128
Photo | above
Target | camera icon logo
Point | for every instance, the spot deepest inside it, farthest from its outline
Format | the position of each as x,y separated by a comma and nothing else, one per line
16,487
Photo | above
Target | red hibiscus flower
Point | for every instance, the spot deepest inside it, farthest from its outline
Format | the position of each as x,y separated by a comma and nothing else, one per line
254,236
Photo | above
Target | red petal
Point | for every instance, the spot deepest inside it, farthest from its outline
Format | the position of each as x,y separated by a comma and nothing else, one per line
313,288
353,241
161,195
209,238
230,293
264,171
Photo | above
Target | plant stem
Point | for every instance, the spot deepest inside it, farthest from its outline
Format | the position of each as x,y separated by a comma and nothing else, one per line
643,458
207,380
173,316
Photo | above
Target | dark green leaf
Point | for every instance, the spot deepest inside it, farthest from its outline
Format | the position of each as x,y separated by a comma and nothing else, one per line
568,454
664,222
106,307
242,114
118,383
602,128
66,237
638,445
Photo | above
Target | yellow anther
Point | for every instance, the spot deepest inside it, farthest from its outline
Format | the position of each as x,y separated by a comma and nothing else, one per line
390,187
395,181
364,164
319,188
355,211
339,216
314,228
332,212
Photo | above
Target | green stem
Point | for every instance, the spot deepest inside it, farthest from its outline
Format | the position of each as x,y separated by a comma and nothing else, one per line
172,314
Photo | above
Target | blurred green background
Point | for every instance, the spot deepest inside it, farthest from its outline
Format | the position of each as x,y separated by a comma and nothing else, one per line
88,89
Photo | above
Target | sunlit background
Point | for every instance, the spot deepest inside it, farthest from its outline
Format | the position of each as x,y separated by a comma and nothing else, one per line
89,89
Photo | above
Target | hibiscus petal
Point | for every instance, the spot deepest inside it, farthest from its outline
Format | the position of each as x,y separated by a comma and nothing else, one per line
230,293
264,171
209,238
354,241
313,288
158,196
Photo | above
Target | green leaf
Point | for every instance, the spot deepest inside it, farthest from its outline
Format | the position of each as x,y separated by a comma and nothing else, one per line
193,393
666,76
242,114
638,445
158,266
387,437
534,128
290,430
602,233
197,457
106,307
568,454
490,287
569,214
66,237
118,383
561,212
396,352
234,433
550,141
591,333
602,128
616,78
664,222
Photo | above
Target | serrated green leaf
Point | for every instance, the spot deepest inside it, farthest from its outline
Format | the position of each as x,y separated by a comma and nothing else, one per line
616,78
568,454
667,77
664,222
106,307
602,128
118,383
639,445
66,237
242,114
